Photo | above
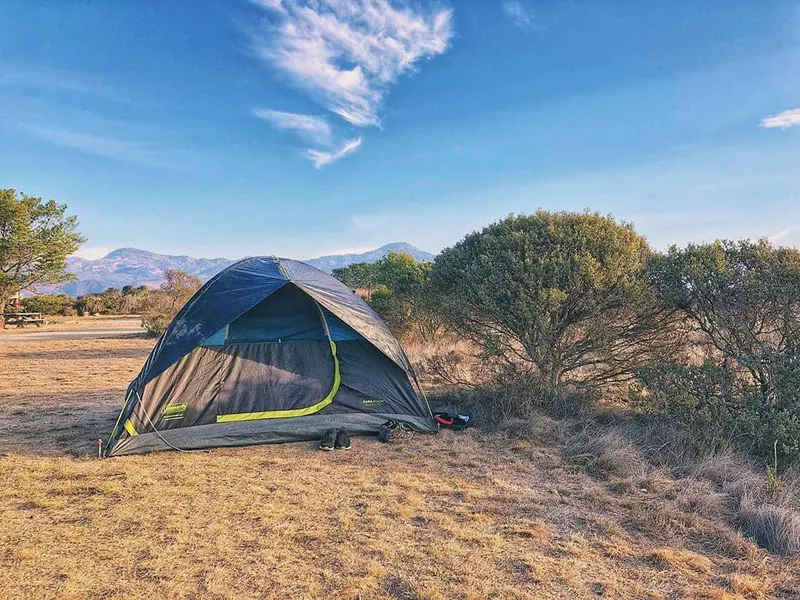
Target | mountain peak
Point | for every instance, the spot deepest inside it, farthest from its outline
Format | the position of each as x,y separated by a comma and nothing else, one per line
399,247
127,252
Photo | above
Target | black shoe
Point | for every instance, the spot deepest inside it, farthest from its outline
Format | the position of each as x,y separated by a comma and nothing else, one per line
342,440
328,440
383,432
388,431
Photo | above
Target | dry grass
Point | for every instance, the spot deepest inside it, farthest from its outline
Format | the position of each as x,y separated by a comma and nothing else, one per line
774,527
61,396
467,515
59,323
607,453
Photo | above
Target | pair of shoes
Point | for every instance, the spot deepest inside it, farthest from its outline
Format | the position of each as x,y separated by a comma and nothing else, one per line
392,431
335,439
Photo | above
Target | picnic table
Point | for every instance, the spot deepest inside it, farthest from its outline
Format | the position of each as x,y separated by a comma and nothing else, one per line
21,319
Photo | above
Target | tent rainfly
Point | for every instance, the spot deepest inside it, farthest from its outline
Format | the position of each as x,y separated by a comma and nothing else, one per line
269,350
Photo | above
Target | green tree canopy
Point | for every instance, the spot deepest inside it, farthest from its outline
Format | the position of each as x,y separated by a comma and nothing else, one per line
397,289
49,305
402,273
744,296
358,276
560,294
36,237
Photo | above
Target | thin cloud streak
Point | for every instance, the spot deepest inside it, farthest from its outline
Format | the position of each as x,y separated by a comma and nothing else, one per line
37,81
788,118
120,150
780,235
316,129
519,14
321,158
38,78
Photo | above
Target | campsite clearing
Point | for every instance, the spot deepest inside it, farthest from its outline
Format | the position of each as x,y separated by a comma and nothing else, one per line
67,328
448,516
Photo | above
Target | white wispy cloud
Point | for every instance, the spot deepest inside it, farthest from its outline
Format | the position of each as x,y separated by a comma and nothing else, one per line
145,154
33,77
519,14
316,129
321,158
780,235
348,53
788,118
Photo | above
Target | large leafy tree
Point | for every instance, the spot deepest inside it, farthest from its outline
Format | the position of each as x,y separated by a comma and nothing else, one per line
744,296
560,295
36,237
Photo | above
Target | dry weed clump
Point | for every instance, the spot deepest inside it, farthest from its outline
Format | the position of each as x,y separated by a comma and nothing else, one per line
775,528
750,587
701,497
789,496
662,446
538,428
682,561
733,474
607,452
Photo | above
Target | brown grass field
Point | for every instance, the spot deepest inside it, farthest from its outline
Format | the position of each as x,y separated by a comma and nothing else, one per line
471,515
60,323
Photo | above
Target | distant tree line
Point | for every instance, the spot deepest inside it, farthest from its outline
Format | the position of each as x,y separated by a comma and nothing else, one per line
570,306
128,300
37,236
155,306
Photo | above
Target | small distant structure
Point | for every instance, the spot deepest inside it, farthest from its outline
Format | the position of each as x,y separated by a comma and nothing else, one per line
16,317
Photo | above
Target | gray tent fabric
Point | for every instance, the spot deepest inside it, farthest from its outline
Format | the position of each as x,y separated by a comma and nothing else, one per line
270,349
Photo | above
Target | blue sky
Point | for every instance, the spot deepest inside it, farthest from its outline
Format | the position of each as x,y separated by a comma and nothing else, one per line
259,127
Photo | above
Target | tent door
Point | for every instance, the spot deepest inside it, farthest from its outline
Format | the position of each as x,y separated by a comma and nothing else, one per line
271,380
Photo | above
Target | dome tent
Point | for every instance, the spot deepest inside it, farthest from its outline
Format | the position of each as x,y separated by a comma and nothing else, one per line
269,350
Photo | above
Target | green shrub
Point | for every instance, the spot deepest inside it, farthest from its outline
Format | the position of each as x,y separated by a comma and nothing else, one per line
701,399
743,297
156,322
162,305
721,408
49,305
397,288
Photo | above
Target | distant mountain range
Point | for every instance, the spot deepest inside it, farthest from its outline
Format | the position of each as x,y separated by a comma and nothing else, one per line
131,266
